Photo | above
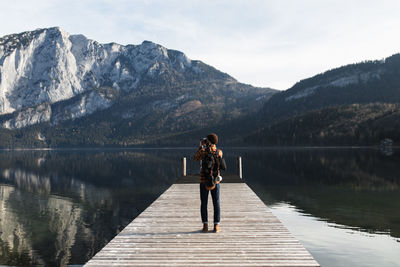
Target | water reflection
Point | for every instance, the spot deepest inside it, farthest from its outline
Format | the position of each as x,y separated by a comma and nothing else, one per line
357,188
59,208
342,204
334,245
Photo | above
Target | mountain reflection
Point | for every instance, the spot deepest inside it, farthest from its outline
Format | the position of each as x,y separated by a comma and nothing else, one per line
59,208
356,188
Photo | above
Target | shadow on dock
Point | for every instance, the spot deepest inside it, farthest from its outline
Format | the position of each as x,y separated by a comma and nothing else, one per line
195,179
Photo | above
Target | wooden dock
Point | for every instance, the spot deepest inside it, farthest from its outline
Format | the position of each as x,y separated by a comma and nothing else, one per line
168,233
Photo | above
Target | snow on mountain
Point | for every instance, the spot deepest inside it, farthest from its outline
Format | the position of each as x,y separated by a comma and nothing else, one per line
29,116
361,77
46,66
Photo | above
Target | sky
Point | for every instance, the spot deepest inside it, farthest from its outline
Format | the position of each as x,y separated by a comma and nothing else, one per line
264,43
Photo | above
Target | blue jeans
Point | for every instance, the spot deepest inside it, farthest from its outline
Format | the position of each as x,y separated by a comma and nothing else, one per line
204,202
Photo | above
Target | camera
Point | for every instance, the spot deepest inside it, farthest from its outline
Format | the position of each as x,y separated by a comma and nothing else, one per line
203,142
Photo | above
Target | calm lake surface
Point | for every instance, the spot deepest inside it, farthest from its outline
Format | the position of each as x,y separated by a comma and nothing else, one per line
60,207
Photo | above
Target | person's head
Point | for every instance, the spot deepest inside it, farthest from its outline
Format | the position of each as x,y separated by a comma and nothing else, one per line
212,138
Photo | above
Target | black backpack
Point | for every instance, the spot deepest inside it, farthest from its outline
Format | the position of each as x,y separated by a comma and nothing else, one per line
212,163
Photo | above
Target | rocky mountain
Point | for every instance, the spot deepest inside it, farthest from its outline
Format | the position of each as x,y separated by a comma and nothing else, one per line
358,104
58,89
53,84
362,83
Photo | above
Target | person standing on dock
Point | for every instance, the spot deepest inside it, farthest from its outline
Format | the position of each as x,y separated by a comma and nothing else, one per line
211,158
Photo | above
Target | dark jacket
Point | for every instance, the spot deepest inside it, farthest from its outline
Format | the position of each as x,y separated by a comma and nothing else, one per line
200,155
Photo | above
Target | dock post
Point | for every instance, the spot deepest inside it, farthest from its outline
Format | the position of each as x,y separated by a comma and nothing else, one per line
239,164
184,166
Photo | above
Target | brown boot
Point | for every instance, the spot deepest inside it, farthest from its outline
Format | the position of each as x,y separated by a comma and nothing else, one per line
217,229
205,228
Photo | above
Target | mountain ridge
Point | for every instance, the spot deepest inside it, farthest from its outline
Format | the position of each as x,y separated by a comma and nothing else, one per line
50,78
363,82
149,95
338,91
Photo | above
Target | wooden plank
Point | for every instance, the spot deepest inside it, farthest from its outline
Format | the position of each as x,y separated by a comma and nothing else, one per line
168,233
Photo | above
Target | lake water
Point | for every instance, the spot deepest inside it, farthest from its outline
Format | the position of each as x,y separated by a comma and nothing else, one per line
59,208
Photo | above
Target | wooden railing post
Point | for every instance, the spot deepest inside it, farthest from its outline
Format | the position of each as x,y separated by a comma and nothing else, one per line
239,165
184,166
